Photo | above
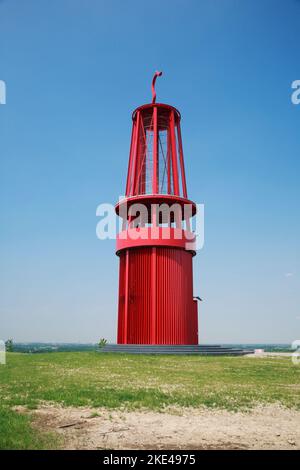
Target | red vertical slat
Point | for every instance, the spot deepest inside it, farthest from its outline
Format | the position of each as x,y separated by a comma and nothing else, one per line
126,306
174,155
121,299
181,159
155,152
153,295
129,173
135,156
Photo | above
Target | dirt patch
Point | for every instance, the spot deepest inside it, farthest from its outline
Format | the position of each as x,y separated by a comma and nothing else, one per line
268,427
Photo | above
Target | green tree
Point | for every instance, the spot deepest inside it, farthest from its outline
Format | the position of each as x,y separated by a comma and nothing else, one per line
9,345
102,342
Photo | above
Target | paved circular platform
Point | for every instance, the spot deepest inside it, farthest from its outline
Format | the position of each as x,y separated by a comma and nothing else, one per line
197,349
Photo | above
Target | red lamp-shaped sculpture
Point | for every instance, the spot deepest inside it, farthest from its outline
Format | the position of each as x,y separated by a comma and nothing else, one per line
156,244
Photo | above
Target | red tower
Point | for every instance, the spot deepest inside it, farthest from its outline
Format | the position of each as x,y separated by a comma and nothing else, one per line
156,244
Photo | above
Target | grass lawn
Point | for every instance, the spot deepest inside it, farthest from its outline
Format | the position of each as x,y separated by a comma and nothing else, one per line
153,382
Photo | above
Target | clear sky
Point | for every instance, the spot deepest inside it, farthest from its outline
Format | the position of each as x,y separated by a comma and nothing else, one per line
74,71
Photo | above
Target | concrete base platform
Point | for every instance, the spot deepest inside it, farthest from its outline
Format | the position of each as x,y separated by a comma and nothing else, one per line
197,349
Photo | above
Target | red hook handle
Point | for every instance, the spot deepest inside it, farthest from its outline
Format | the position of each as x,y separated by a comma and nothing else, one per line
157,74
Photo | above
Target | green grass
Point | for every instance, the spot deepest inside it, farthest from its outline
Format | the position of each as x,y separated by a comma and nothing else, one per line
16,432
153,382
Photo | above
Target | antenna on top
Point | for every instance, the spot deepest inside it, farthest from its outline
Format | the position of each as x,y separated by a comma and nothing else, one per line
157,74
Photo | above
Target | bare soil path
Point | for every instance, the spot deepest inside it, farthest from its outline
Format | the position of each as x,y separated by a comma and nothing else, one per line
264,427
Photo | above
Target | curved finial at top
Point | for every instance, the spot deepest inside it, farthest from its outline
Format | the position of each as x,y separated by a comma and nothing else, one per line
157,74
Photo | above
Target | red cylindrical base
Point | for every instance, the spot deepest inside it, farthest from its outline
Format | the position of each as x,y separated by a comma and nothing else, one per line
156,303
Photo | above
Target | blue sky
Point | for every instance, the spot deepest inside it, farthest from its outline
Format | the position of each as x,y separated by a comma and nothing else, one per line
74,71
